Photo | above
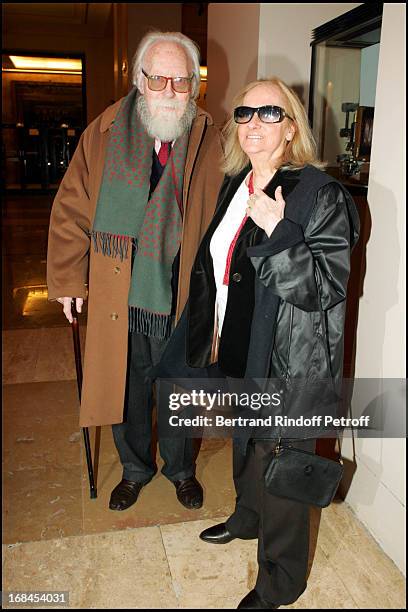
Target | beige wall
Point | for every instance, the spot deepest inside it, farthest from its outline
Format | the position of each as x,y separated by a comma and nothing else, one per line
232,53
98,53
247,41
285,32
377,492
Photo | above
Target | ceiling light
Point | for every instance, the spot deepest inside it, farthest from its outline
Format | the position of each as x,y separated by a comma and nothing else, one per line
46,63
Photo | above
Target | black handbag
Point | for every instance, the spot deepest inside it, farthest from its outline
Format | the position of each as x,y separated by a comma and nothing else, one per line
302,476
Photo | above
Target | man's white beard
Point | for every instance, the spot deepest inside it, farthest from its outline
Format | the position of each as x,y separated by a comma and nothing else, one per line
165,125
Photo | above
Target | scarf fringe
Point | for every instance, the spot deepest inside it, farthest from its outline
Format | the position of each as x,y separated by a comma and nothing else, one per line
150,323
112,245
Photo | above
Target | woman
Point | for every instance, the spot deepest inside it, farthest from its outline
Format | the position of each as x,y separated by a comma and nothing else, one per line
274,266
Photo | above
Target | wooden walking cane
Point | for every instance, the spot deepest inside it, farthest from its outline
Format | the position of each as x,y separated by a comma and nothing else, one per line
78,365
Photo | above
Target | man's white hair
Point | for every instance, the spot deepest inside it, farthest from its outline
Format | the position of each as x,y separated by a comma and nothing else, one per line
151,38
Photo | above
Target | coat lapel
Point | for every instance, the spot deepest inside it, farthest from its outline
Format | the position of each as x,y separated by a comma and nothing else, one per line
195,139
287,179
202,284
227,192
196,135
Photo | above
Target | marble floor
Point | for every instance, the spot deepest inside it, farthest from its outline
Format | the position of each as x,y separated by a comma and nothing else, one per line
56,538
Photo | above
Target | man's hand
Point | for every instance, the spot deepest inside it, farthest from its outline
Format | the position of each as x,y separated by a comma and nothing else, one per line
66,301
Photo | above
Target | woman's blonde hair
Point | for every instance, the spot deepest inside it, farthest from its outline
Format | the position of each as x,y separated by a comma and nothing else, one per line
301,150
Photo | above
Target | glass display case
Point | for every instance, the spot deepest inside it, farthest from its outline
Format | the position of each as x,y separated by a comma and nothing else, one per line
345,54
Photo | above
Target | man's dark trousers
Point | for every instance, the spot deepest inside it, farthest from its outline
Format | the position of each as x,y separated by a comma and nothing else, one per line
133,437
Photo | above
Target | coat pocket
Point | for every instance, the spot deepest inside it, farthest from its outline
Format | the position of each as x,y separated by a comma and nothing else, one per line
282,346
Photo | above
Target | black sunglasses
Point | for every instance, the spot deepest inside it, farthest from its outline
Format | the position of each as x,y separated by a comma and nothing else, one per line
267,114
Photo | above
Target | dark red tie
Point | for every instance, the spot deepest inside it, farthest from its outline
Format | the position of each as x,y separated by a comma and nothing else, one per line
225,280
164,153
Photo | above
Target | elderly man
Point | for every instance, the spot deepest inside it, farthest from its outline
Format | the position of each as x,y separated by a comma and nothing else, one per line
127,220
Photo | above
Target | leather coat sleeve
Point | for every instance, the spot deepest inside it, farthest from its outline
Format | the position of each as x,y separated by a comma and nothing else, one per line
291,262
68,238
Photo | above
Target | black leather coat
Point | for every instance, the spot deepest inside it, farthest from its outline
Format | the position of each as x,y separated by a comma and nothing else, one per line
287,294
286,304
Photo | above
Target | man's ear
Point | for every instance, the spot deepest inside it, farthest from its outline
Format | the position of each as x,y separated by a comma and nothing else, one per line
140,82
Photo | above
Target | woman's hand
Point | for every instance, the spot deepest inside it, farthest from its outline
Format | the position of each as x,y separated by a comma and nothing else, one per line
266,212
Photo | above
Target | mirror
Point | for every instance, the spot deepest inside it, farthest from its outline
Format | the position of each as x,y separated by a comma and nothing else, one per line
345,54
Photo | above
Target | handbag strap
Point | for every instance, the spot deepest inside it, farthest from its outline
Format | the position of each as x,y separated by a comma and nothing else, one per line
279,445
326,350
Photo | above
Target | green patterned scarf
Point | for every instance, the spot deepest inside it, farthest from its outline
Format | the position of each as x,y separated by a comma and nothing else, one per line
125,216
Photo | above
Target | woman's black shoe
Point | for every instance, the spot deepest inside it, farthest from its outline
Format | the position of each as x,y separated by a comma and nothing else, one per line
218,534
253,601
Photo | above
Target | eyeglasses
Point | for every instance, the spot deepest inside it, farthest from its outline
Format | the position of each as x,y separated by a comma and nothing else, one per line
267,114
158,83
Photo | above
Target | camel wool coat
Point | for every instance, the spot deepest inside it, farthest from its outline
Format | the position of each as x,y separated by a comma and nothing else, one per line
74,269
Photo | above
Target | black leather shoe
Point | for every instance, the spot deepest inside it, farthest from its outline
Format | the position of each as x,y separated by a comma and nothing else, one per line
253,601
218,534
125,494
189,492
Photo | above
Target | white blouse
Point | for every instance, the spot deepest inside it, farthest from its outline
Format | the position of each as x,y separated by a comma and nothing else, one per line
220,244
